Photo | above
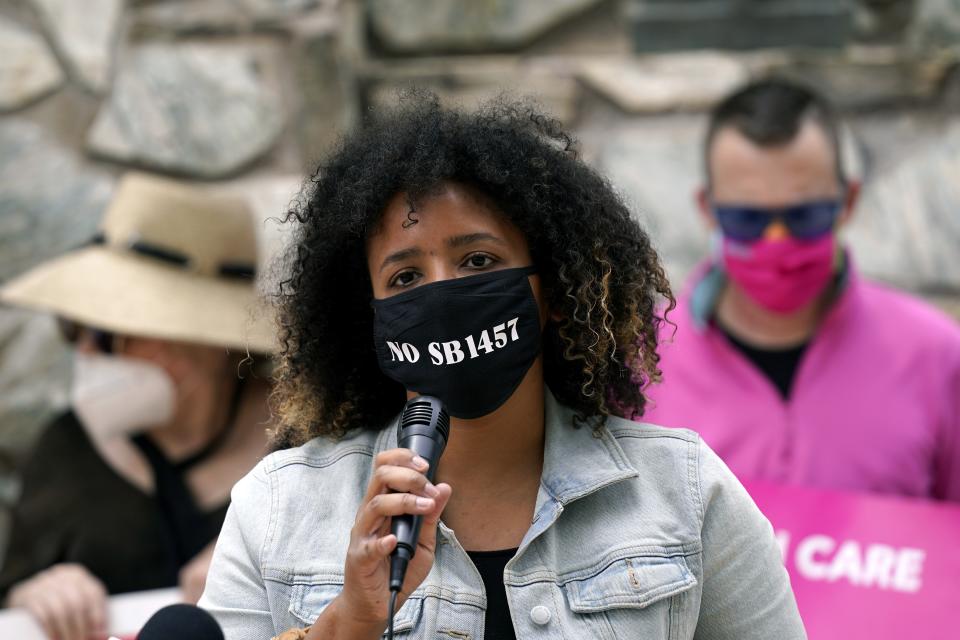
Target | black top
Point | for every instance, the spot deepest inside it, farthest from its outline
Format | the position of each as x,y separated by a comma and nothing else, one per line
779,365
490,564
76,508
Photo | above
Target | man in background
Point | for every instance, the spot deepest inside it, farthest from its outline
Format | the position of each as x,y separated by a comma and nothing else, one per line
791,365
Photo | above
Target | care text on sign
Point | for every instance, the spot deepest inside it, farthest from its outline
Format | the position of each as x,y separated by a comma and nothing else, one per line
866,566
822,558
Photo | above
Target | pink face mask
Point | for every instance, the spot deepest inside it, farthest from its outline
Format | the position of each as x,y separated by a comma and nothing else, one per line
781,275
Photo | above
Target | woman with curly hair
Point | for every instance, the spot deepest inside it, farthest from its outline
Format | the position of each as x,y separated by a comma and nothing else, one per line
475,258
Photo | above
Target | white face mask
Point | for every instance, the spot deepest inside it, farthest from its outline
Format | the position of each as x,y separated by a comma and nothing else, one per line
117,395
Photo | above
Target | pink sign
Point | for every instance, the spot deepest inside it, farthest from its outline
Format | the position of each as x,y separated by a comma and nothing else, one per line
865,566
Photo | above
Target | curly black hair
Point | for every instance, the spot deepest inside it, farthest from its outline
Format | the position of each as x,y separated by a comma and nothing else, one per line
598,269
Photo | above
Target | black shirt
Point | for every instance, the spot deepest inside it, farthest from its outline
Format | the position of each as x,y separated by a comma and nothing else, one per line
75,508
778,365
490,564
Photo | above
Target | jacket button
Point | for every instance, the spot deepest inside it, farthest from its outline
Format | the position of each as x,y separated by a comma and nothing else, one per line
540,615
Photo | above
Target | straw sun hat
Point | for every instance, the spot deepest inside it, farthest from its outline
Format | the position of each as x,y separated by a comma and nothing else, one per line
171,262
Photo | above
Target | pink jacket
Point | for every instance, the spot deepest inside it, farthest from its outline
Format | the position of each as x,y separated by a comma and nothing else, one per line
875,404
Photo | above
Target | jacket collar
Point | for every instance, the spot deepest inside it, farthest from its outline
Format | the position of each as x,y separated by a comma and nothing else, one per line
576,461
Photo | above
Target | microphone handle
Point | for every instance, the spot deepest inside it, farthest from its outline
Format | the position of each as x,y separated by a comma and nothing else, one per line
407,526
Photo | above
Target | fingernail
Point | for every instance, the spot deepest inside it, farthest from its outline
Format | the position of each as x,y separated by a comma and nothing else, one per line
424,503
420,462
431,490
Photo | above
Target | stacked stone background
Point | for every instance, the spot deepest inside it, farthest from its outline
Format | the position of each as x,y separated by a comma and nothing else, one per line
245,95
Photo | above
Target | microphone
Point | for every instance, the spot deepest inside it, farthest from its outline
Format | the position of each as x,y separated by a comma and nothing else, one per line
181,622
424,427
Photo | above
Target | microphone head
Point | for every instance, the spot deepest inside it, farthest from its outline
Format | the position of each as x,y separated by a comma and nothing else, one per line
425,412
181,622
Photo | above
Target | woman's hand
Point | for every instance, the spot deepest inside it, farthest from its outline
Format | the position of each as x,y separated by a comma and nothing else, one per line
193,575
68,601
398,486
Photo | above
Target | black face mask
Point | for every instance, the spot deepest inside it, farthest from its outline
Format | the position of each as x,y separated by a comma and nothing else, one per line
468,341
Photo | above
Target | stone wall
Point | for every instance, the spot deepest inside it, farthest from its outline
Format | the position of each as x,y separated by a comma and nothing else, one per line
245,95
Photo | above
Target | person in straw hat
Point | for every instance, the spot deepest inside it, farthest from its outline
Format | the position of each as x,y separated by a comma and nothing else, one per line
128,489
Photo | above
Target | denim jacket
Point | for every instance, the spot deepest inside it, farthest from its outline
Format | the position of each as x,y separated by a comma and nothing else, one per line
638,532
